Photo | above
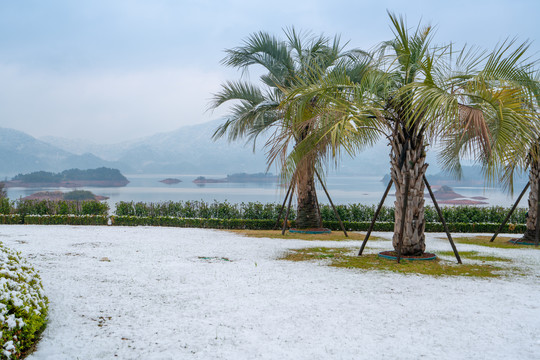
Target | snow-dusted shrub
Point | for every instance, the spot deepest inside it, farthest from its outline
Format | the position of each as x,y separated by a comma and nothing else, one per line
23,305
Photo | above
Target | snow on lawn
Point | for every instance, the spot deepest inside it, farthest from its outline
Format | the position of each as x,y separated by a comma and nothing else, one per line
172,293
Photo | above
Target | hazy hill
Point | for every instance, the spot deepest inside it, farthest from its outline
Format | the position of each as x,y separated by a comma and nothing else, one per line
190,149
24,153
187,150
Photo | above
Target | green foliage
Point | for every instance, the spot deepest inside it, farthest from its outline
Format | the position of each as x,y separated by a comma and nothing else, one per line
350,213
10,219
60,207
23,305
66,220
202,209
79,195
98,174
193,222
39,176
6,206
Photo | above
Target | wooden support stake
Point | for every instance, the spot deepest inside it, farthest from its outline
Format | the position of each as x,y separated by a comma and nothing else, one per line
537,235
331,203
511,212
287,213
375,217
402,225
442,221
283,205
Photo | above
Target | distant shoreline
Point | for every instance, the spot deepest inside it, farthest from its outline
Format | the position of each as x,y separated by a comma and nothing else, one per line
67,183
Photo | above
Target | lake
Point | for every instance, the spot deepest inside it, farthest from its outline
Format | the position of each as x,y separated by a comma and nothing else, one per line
343,189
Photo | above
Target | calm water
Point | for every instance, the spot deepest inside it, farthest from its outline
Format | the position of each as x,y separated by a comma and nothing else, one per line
343,189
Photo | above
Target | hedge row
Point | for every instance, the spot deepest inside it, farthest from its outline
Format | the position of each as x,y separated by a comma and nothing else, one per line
53,207
251,210
191,222
350,212
201,209
11,219
66,220
333,225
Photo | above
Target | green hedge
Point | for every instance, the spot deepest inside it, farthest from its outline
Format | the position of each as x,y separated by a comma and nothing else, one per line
11,219
66,220
333,225
201,209
23,305
191,222
60,207
350,212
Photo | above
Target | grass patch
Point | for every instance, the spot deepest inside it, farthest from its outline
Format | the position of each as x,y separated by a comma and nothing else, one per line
346,258
276,234
500,242
473,255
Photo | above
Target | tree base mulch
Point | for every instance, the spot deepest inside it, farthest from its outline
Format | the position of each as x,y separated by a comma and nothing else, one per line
311,231
520,241
392,255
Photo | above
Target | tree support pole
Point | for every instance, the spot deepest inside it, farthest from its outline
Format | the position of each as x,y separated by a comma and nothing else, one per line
458,258
331,203
283,205
537,234
402,225
375,217
287,213
511,212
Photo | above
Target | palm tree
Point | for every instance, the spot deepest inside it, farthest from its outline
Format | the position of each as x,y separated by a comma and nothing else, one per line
259,109
415,94
526,156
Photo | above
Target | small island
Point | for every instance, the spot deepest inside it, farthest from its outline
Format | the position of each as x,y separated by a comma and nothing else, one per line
101,177
447,196
170,181
75,195
240,178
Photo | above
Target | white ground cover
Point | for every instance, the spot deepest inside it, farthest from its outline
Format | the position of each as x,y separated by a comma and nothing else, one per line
167,293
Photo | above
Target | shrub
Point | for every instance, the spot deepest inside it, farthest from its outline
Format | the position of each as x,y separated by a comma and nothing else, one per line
23,305
63,207
10,219
6,206
66,219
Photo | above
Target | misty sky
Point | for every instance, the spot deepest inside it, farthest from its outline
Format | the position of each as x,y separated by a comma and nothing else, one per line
113,70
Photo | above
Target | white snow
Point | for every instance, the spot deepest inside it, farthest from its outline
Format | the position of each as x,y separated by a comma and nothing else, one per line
170,293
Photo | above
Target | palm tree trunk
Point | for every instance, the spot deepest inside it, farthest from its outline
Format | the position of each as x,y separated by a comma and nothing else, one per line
413,233
307,215
534,177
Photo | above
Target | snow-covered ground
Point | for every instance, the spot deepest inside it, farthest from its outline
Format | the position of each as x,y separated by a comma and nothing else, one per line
167,293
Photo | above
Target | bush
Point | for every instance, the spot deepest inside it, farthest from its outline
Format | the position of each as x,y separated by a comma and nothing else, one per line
23,305
193,222
6,206
10,219
66,219
62,207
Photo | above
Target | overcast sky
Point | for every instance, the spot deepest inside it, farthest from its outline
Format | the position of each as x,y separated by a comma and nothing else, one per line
113,70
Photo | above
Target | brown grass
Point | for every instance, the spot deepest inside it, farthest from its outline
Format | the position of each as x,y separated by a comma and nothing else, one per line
500,242
346,258
276,234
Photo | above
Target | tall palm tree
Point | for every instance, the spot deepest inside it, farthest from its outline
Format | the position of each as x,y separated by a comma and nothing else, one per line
525,157
415,94
259,108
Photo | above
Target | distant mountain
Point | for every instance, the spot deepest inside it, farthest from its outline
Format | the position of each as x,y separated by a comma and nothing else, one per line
23,153
190,149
